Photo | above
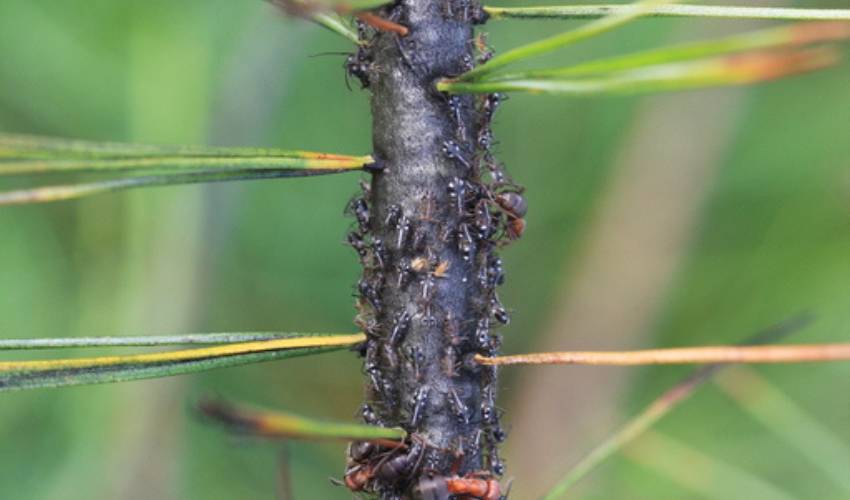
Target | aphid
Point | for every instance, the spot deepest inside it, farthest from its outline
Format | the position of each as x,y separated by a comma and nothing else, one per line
419,238
458,407
465,243
488,413
513,204
453,152
427,287
497,172
417,359
404,273
485,138
356,241
379,251
402,230
500,313
484,52
496,464
369,415
419,403
374,373
450,328
491,104
450,362
456,108
360,209
370,293
457,192
499,435
428,319
495,271
483,220
401,323
466,61
394,214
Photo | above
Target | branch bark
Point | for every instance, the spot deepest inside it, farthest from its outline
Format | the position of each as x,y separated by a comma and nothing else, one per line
428,227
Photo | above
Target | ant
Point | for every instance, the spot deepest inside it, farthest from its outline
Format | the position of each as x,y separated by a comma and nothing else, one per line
478,486
358,65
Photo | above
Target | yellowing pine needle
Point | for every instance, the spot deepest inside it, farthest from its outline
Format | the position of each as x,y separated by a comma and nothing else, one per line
710,11
795,35
23,145
740,69
684,355
278,424
64,192
17,375
185,354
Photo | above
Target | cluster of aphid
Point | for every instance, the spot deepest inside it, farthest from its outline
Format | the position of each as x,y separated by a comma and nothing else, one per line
410,259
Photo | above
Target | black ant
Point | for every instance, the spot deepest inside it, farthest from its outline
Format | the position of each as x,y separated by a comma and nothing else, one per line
358,65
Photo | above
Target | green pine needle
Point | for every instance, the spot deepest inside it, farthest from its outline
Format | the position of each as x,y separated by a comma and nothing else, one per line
562,40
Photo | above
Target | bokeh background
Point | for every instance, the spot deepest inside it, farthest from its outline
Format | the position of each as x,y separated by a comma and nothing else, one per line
656,221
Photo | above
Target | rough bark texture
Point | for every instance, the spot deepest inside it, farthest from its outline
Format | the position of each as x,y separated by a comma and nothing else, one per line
428,227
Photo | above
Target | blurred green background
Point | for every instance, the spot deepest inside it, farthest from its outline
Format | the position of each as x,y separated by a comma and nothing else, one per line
657,221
